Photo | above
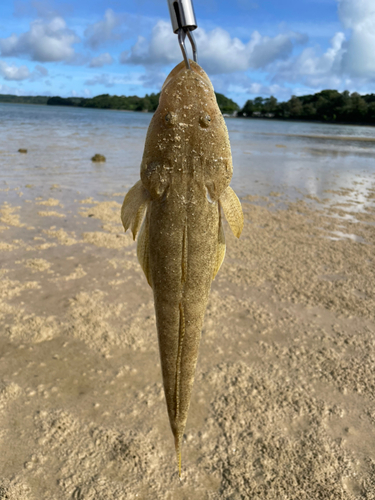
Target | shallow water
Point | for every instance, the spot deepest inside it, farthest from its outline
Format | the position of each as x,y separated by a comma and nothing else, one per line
267,155
283,401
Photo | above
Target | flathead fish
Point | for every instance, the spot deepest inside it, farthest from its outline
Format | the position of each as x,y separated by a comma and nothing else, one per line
185,174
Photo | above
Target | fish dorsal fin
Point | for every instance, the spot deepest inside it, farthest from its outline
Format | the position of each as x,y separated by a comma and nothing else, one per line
134,208
143,248
232,209
220,251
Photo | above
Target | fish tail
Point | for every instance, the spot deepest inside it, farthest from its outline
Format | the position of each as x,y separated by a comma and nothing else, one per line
177,443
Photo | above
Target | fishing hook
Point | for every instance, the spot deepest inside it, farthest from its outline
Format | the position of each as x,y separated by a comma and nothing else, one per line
183,23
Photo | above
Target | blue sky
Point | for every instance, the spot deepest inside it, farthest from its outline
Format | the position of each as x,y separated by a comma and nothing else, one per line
247,47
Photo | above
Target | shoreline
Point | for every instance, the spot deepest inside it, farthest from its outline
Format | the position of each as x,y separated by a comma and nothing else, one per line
288,120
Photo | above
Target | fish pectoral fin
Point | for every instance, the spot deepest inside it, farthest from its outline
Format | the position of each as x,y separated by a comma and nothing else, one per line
220,251
232,209
134,207
143,248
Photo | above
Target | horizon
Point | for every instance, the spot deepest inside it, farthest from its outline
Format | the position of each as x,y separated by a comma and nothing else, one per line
155,93
54,48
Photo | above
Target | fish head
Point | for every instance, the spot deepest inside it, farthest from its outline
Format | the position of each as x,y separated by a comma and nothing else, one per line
187,135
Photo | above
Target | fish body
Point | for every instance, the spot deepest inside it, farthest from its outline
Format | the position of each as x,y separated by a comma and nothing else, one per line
185,174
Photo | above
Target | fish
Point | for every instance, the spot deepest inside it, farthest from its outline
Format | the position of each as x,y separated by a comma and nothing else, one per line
176,207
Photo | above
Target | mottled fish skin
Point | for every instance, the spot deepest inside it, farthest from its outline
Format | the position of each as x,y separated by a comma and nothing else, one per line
185,174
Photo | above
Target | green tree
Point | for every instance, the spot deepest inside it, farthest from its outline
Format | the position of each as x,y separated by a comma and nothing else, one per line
270,105
60,101
354,108
25,99
258,104
248,108
309,110
295,107
225,104
371,112
359,106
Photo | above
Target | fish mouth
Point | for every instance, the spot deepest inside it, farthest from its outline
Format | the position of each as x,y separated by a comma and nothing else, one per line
181,69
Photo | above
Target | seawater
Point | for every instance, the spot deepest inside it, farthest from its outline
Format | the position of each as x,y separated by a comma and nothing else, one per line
268,155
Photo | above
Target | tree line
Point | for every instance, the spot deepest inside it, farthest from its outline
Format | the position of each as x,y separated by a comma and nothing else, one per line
325,106
105,101
131,103
24,99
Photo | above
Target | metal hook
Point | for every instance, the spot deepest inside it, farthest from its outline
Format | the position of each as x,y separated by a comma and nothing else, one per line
181,41
183,23
193,45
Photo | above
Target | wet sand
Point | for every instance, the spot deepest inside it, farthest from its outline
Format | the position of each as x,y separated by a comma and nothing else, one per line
283,405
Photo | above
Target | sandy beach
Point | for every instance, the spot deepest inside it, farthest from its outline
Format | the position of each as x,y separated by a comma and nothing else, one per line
283,404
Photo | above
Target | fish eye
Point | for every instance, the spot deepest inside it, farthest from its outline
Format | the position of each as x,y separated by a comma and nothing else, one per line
205,121
170,119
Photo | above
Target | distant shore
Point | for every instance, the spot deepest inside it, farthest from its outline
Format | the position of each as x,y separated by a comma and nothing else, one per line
148,103
327,106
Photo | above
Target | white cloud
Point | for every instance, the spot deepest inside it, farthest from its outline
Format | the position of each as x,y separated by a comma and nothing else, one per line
4,89
19,73
163,48
44,42
311,69
41,70
250,64
355,12
241,87
348,62
85,93
13,72
258,89
266,49
153,79
102,60
107,30
102,79
38,73
218,51
359,17
110,80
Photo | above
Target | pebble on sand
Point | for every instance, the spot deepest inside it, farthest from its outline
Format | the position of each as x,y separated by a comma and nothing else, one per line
98,158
